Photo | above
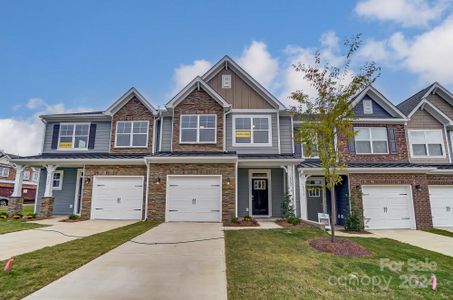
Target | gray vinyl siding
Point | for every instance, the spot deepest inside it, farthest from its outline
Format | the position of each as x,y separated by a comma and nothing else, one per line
277,191
101,143
64,198
166,134
286,138
252,150
378,111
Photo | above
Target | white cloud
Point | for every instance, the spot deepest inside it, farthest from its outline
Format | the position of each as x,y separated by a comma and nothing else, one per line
259,63
405,12
186,73
427,55
24,136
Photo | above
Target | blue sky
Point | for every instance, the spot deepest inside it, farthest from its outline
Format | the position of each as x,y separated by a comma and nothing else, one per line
58,56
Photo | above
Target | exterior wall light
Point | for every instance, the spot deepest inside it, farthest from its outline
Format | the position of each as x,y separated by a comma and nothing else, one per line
87,180
418,187
158,180
228,180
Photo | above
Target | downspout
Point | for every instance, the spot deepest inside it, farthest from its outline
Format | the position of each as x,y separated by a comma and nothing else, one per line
225,132
147,191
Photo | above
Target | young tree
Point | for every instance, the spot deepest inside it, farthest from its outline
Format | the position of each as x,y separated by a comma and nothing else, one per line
326,118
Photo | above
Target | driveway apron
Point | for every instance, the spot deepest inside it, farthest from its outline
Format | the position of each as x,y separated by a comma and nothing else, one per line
171,261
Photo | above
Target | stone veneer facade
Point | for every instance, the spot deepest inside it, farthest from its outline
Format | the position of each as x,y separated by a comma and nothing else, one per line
157,192
134,110
401,145
197,102
91,171
46,208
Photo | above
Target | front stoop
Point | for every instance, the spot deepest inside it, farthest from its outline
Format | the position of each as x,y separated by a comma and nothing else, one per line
15,205
46,210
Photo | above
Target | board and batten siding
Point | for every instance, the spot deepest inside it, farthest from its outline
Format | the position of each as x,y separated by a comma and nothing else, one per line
252,150
286,138
64,198
101,142
166,134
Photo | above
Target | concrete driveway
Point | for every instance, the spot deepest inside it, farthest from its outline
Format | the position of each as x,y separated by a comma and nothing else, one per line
193,270
430,241
20,242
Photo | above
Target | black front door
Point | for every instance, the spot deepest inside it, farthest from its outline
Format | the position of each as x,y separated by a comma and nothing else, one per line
260,197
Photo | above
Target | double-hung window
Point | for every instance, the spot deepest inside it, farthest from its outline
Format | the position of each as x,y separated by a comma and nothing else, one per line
74,136
4,171
198,129
426,143
371,140
252,131
131,134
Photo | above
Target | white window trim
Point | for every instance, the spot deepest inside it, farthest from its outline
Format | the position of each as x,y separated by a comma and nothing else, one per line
132,134
198,128
7,172
60,186
371,140
427,149
303,152
73,137
35,176
224,79
252,144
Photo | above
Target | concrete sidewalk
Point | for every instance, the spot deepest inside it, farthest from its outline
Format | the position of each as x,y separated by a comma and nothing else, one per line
20,242
430,241
192,270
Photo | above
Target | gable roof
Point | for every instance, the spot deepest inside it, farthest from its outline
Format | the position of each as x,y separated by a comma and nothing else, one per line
377,96
408,105
125,98
227,62
196,83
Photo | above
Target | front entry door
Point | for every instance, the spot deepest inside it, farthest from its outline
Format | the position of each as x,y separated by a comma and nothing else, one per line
314,202
260,197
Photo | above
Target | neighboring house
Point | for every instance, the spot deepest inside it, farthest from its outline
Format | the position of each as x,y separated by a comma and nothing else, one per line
7,175
223,146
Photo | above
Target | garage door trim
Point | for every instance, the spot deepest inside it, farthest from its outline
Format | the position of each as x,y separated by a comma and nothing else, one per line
430,203
220,192
113,176
411,198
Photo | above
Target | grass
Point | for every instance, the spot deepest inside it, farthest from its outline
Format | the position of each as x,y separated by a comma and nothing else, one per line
27,209
7,226
440,232
279,264
37,269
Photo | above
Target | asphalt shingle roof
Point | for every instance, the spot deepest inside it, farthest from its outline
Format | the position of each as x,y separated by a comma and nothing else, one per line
410,103
316,163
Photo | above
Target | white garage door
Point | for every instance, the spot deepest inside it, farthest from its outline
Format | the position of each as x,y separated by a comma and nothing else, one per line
117,197
441,198
193,198
388,207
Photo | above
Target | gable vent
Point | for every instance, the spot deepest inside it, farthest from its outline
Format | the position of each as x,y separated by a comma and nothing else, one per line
367,107
226,81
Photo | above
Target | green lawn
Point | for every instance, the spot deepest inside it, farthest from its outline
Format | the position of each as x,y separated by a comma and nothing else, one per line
441,232
27,209
36,269
279,264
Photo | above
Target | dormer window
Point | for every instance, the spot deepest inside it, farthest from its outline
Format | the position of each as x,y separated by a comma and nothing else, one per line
131,134
367,107
226,81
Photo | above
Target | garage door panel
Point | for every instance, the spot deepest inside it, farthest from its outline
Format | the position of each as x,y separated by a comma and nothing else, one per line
193,198
441,199
387,207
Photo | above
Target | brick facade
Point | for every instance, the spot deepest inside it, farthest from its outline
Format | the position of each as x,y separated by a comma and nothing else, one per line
91,171
197,102
420,197
134,110
157,192
401,144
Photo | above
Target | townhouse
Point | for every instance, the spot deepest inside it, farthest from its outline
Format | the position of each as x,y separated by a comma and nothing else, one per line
224,146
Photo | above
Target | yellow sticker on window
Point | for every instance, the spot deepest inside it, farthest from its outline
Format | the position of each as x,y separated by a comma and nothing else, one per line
65,145
243,134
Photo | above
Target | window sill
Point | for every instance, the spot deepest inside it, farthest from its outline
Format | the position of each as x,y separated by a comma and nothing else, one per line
198,143
130,147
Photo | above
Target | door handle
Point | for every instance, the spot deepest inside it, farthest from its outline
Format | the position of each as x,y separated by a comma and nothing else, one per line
118,200
448,208
194,201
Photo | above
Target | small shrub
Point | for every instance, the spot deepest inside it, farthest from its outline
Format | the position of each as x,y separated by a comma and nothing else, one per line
247,219
73,217
234,220
4,214
287,208
3,217
293,220
30,216
353,222
17,216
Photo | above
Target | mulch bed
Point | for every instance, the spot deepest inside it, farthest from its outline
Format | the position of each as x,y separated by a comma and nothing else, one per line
341,247
71,221
285,224
356,232
241,224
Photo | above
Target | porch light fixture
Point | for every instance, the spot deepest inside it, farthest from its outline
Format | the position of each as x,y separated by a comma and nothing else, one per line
87,180
158,180
228,180
418,187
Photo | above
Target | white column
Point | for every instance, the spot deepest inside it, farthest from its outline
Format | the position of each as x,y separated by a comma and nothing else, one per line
17,192
290,182
303,195
49,180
